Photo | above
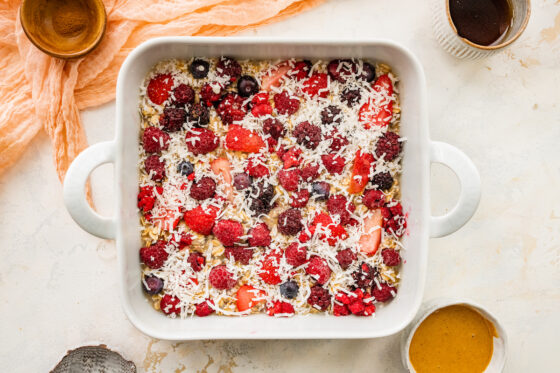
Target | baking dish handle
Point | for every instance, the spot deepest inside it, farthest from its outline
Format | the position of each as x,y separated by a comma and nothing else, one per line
75,191
469,179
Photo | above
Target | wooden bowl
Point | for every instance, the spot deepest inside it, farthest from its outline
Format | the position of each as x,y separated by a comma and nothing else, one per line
64,28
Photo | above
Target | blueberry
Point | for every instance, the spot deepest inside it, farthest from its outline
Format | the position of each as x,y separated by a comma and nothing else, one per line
152,285
241,181
199,69
289,289
368,73
247,86
185,168
320,190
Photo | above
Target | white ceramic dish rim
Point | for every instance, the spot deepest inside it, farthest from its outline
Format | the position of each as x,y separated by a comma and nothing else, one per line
499,356
260,326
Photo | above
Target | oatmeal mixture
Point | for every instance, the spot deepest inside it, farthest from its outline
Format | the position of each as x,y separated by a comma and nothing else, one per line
270,187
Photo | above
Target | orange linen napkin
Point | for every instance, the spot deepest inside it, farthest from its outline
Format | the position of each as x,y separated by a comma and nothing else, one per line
39,91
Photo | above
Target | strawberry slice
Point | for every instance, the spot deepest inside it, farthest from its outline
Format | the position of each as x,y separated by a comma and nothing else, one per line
248,297
316,85
370,240
221,166
167,219
273,77
201,220
159,88
334,232
360,172
243,140
374,114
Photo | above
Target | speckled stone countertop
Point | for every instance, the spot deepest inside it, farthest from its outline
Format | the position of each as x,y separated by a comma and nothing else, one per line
59,284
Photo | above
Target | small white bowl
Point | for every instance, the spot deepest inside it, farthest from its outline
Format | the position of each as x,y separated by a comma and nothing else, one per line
498,360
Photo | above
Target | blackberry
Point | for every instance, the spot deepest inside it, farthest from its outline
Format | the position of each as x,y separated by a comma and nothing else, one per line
308,135
383,180
199,115
264,194
289,222
388,146
351,96
199,69
289,289
331,114
247,86
173,118
363,277
274,128
319,298
185,168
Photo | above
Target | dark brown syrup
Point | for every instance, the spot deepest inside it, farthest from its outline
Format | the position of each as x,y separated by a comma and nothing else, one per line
483,22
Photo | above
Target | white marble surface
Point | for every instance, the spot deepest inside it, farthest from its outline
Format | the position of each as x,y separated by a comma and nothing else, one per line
59,284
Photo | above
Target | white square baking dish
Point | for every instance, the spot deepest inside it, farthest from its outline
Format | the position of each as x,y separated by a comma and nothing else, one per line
419,152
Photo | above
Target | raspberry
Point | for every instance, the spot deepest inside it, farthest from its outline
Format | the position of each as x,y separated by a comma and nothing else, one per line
388,146
196,261
264,194
199,68
184,240
260,98
383,180
155,167
291,158
394,221
289,222
269,269
345,258
159,87
201,141
383,293
333,163
337,141
319,298
201,220
295,255
256,168
363,277
203,189
341,70
340,310
228,231
231,109
351,96
184,94
228,67
146,198
173,118
274,128
300,198
154,256
239,254
285,104
356,307
259,235
307,134
241,181
319,269
310,172
282,308
391,257
199,115
204,309
339,205
221,278
211,93
301,69
331,114
261,110
316,84
155,140
170,305
289,179
373,199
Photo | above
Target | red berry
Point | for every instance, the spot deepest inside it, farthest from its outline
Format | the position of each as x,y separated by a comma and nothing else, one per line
169,305
373,199
243,140
289,179
159,87
173,118
341,70
155,167
333,163
220,278
260,98
204,309
388,146
340,310
319,298
261,110
211,93
310,172
146,198
155,140
286,104
337,141
319,269
296,255
256,167
203,189
274,128
228,67
383,293
291,158
269,269
259,235
240,254
184,94
300,198
391,257
184,240
196,261
201,220
281,308
361,169
345,258
154,256
316,84
201,141
340,206
228,231
301,70
231,108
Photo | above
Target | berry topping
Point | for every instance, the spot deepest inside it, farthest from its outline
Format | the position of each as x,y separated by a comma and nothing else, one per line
159,87
393,220
173,118
201,220
170,305
345,258
155,140
259,235
300,198
231,108
222,168
319,269
281,309
184,94
185,168
333,163
391,257
146,198
291,158
228,67
317,84
228,231
326,229
351,96
196,261
320,190
383,293
341,70
240,254
370,239
339,206
273,77
199,115
378,112
247,86
220,278
201,141
155,255
152,284
364,275
383,180
388,146
203,189
285,104
331,114
261,110
361,169
204,309
340,310
296,255
256,167
243,140
289,222
368,72
184,240
307,134
155,167
261,204
248,297
273,127
289,289
269,269
289,179
301,69
241,181
373,199
319,298
310,172
199,68
211,93
337,141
